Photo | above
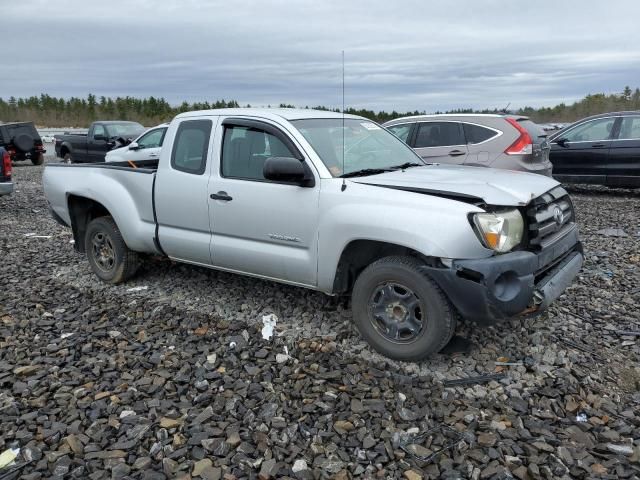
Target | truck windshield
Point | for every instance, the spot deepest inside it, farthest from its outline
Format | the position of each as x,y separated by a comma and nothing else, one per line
125,129
366,145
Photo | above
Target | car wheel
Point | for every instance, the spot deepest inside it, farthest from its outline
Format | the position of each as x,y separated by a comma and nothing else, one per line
67,158
38,159
108,255
400,311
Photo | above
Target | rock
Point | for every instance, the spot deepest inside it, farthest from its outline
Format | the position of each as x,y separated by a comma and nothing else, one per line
26,370
599,469
299,466
487,439
620,449
200,466
268,469
411,475
419,450
343,426
74,444
141,463
166,422
521,473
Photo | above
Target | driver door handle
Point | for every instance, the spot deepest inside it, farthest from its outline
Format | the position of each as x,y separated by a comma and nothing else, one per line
153,154
221,196
456,153
598,145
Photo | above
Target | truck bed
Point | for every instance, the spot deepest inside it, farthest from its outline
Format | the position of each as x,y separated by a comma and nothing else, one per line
124,188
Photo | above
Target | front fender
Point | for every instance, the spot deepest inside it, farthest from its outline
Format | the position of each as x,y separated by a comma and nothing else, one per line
433,226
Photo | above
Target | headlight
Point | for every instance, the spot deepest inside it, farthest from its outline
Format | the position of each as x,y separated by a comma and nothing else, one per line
500,231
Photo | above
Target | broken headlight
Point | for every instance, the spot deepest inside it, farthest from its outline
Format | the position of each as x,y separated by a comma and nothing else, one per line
500,231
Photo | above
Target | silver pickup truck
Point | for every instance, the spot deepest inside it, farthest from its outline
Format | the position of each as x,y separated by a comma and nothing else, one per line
335,204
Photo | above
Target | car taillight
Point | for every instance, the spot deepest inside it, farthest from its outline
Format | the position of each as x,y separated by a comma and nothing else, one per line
6,164
523,144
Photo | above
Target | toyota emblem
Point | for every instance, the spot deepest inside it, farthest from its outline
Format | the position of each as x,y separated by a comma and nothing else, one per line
558,215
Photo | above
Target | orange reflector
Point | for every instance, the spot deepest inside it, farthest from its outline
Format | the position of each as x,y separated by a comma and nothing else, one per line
493,239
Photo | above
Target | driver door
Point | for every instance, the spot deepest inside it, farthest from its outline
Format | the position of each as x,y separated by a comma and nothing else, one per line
97,147
260,227
585,149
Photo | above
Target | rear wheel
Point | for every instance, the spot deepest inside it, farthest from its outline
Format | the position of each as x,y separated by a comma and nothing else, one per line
108,255
38,159
400,311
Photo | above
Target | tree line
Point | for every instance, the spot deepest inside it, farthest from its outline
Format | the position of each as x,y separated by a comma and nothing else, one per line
49,111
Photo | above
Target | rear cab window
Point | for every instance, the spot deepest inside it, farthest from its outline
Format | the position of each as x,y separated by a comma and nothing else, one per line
190,146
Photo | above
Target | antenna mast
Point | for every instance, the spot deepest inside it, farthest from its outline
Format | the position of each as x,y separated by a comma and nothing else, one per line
344,184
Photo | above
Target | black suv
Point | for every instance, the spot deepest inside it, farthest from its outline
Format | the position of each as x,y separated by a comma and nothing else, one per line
22,141
603,149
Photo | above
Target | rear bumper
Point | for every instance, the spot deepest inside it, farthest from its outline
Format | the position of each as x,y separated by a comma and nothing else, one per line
6,188
489,290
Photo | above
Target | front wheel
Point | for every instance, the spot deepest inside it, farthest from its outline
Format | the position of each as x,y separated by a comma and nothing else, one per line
108,255
400,311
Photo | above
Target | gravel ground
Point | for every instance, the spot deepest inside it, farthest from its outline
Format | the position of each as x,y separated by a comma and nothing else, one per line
168,376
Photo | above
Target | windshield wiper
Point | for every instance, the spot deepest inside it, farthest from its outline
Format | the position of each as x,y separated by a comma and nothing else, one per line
365,171
407,165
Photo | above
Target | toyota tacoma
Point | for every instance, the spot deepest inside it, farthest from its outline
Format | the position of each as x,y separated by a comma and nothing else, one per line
336,204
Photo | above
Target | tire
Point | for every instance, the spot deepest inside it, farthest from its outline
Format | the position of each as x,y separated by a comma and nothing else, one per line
108,255
23,142
38,159
400,311
67,158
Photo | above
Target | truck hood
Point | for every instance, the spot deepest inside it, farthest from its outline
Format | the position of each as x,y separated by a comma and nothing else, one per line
490,185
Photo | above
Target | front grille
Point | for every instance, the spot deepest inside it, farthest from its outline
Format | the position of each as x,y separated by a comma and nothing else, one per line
543,219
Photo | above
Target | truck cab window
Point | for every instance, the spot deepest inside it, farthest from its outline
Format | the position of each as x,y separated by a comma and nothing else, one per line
99,130
190,146
244,151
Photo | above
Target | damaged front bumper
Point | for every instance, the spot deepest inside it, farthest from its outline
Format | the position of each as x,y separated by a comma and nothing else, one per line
496,288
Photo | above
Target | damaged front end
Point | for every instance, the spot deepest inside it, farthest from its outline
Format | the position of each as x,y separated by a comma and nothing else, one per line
524,281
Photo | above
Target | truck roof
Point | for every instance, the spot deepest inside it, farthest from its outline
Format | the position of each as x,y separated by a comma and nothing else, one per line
270,113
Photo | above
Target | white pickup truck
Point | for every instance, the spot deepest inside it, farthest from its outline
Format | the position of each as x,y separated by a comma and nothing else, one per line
336,204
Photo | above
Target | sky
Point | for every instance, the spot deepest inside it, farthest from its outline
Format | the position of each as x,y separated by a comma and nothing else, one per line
404,55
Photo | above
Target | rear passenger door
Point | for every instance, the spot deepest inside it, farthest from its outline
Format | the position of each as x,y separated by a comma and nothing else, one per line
623,167
440,142
478,139
261,227
181,192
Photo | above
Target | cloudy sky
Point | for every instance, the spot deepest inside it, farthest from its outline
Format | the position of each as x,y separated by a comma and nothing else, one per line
403,55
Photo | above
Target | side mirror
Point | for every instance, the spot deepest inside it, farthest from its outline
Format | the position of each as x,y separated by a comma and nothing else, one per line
562,142
99,137
134,146
287,169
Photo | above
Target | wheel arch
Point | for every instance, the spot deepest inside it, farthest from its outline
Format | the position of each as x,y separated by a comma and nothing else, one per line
358,254
81,211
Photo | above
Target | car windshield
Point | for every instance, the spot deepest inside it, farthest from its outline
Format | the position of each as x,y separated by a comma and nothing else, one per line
128,129
367,146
